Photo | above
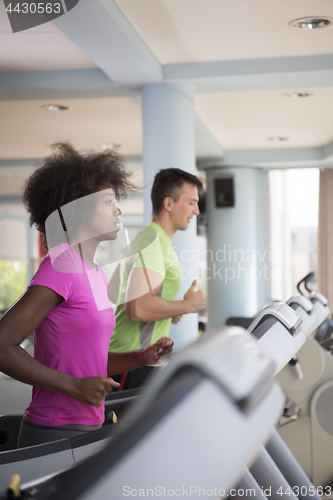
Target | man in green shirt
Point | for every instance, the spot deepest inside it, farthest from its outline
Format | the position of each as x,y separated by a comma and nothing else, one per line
150,273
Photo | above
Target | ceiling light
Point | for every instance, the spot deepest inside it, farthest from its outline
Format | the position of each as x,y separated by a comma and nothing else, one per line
311,23
277,139
297,95
110,145
55,107
106,146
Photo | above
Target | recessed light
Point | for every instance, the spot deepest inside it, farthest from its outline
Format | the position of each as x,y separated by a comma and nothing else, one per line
110,145
55,107
297,95
311,23
277,139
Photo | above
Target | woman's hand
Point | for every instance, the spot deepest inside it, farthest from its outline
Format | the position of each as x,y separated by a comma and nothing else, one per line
152,354
92,390
120,362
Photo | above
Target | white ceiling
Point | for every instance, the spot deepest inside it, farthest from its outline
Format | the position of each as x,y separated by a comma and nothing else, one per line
28,129
240,56
245,120
179,31
42,48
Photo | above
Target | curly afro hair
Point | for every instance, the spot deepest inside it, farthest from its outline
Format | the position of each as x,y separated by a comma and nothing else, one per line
67,175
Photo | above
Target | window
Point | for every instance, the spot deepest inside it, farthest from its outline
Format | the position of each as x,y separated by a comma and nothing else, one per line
293,218
12,282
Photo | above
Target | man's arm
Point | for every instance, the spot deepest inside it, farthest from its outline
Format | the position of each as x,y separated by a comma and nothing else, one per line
142,303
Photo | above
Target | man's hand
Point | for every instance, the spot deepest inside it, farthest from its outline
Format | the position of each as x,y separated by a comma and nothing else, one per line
196,300
92,390
176,319
152,354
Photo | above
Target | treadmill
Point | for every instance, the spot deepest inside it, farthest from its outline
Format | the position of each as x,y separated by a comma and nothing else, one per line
115,402
195,428
279,330
310,435
34,461
320,303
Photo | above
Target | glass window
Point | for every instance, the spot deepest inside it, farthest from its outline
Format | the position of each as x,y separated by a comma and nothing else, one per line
293,222
12,282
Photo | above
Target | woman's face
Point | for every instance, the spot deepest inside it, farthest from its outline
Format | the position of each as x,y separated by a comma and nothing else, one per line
105,222
95,216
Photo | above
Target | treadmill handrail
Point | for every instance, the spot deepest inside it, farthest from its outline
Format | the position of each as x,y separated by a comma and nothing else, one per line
209,356
283,313
232,354
301,301
305,281
44,449
319,297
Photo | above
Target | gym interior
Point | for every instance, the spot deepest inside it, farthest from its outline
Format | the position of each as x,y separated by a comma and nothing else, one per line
236,93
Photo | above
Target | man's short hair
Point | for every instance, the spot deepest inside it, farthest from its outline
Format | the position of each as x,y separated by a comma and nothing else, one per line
167,182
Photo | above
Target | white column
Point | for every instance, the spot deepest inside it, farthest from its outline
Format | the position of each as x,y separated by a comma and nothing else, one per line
237,256
168,142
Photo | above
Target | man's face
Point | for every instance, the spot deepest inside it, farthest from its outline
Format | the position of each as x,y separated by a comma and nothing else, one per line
183,210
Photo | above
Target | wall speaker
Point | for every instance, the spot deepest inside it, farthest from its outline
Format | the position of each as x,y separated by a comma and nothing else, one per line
224,192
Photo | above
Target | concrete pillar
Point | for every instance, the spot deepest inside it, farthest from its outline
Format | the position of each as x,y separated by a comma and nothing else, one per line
168,142
237,250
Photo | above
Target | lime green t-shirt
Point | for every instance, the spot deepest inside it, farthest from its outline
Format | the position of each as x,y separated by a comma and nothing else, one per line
151,250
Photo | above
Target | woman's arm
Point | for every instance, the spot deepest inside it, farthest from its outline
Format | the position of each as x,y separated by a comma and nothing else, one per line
16,324
120,362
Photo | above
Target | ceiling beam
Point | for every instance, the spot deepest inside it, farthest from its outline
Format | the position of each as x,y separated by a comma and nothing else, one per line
328,150
11,199
106,36
81,91
19,166
315,157
55,78
87,83
29,165
255,74
219,76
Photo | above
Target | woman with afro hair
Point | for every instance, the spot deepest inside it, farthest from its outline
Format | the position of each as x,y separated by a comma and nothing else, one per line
71,199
